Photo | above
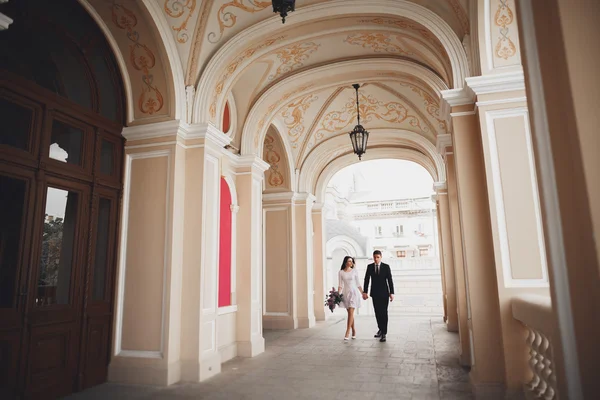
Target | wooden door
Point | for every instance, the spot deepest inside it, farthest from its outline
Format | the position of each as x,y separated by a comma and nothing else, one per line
56,288
60,185
17,195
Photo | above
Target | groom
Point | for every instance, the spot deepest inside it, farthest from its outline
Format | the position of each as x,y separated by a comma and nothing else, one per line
382,292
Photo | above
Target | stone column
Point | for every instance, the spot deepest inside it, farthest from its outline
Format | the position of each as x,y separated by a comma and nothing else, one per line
319,262
437,235
447,256
485,329
462,298
303,256
199,352
249,283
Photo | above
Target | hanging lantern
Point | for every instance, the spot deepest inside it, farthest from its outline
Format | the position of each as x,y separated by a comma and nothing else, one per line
359,136
283,7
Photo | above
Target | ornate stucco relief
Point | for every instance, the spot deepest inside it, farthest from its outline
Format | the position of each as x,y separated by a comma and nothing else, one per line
504,33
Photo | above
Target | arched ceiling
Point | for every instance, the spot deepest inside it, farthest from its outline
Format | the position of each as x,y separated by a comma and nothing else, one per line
201,27
296,78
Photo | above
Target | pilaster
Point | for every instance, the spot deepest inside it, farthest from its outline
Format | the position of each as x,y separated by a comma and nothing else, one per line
319,261
303,254
249,172
447,256
203,146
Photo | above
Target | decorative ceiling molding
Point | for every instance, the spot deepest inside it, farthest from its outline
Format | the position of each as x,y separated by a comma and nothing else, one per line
192,67
461,14
269,103
176,9
400,8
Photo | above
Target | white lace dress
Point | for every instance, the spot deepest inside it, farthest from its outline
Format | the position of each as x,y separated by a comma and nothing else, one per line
349,282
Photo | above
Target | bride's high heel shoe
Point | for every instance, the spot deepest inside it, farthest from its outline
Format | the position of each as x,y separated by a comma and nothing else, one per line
346,339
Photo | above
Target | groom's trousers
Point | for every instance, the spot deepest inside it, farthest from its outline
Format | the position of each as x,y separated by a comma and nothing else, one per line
380,304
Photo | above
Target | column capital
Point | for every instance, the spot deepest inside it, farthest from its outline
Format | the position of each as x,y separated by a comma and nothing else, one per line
205,131
249,164
304,198
440,188
477,86
444,143
279,198
318,207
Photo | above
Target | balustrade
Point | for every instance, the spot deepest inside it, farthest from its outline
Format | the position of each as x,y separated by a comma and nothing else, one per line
535,313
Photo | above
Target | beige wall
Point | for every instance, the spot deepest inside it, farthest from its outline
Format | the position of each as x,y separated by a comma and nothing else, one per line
145,262
277,268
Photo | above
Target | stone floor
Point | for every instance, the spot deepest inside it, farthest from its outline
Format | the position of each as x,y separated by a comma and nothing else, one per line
419,361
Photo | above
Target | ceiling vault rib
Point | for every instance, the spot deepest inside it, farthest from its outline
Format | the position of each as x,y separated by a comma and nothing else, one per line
317,118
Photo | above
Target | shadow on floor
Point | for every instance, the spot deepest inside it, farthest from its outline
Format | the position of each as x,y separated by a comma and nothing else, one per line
419,361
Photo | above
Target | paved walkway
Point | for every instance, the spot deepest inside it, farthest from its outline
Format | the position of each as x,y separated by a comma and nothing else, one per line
419,361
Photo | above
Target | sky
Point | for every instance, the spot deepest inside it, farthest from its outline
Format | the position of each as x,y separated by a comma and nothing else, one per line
385,179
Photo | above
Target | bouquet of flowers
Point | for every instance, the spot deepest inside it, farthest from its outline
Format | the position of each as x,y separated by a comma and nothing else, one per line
333,299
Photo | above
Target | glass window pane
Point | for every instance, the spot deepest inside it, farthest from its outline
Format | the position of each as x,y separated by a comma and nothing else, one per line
107,156
101,256
66,143
58,239
12,209
16,124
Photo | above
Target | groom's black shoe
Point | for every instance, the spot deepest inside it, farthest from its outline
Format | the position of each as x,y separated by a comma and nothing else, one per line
378,334
383,339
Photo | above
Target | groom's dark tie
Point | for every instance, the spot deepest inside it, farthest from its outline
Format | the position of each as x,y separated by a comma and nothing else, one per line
377,269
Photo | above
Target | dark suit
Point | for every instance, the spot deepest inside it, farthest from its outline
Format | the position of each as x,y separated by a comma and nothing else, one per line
381,287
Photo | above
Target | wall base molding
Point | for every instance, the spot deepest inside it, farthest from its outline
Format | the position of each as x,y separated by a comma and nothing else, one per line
144,372
309,322
252,348
279,322
228,352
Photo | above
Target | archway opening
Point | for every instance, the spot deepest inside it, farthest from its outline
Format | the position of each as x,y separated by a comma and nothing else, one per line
386,205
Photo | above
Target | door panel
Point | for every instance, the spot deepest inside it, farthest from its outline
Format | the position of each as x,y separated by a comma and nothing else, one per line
56,290
52,363
16,214
98,313
97,352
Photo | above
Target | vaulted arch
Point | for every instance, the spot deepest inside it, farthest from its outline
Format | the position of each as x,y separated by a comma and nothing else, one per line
244,49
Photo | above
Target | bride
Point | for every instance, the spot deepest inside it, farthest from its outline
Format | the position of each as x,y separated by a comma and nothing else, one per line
352,292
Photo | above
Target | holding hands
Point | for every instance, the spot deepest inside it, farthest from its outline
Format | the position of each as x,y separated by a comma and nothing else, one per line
365,296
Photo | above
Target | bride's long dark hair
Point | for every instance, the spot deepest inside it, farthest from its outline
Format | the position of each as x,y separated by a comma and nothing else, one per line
346,259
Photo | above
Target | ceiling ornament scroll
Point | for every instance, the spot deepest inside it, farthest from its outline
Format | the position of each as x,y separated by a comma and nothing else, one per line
293,57
267,114
232,67
370,109
227,19
411,26
141,57
177,9
431,105
504,17
275,177
378,42
293,117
